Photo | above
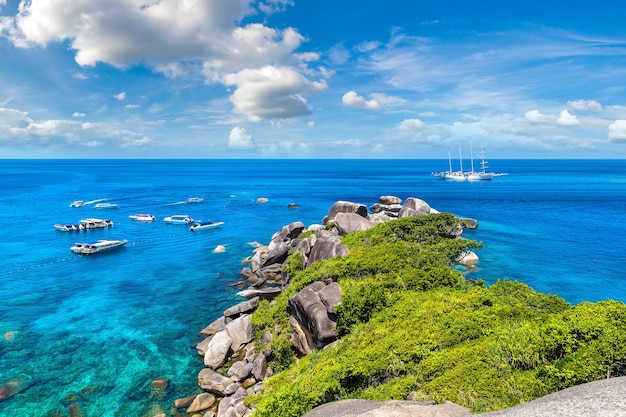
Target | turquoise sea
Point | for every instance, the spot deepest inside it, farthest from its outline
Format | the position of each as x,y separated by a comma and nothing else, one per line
87,334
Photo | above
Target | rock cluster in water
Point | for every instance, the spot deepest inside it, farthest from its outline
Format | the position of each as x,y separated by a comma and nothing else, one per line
233,367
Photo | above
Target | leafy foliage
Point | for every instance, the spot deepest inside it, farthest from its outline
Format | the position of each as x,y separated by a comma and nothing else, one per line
411,323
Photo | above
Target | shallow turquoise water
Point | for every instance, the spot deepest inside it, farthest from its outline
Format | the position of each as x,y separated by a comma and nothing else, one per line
94,331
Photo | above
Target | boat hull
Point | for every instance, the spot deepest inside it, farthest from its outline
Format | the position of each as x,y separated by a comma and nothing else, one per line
178,219
98,247
205,226
142,217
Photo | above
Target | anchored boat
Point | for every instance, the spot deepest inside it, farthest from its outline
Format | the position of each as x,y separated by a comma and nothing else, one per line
97,247
204,226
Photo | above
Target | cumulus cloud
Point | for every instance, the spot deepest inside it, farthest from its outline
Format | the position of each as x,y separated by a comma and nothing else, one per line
564,118
77,114
617,130
567,119
585,105
120,96
180,38
534,116
271,92
411,124
240,139
352,99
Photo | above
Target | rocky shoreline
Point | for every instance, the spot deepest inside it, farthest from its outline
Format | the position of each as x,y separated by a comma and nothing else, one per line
234,368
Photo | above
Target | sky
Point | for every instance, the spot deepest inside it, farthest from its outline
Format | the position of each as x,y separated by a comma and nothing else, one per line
312,79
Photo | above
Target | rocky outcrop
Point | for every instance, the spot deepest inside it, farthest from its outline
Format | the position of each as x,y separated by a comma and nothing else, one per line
233,367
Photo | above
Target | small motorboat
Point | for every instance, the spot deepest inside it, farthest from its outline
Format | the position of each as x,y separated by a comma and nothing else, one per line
178,219
99,246
84,224
143,217
195,200
105,206
77,203
204,226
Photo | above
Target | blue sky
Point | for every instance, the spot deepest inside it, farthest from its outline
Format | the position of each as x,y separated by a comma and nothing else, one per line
314,79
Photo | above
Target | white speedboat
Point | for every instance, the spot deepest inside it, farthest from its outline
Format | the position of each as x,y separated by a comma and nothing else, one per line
195,200
196,227
96,247
105,206
143,217
77,203
84,224
178,219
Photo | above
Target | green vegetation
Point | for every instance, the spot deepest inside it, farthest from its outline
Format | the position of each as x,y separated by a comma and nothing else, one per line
410,322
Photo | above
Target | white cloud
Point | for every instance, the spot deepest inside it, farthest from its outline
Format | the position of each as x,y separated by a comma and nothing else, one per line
585,105
567,119
240,139
271,92
368,46
77,114
138,143
352,99
120,96
411,124
534,116
617,130
132,106
11,119
564,118
180,38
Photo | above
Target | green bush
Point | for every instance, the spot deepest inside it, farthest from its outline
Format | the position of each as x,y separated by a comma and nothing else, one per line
411,323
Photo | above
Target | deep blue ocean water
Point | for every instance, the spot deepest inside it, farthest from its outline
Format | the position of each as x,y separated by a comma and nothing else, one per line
94,331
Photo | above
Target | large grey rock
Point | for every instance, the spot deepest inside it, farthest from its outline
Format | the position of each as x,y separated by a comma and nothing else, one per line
210,381
603,398
215,326
242,308
233,406
307,307
302,246
201,402
287,233
277,255
217,350
344,207
414,207
240,332
202,346
330,295
467,258
265,293
259,367
385,208
351,222
389,200
367,408
326,247
240,370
